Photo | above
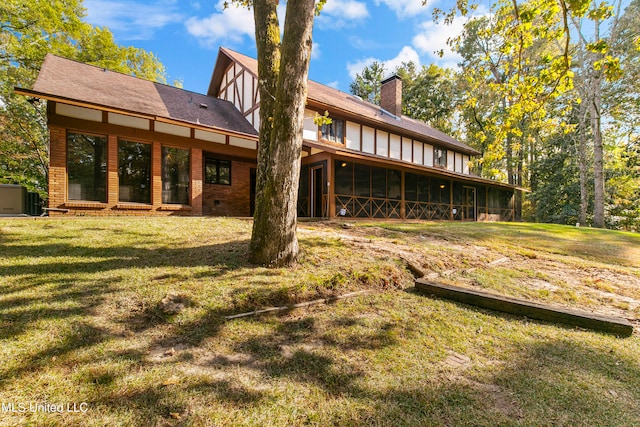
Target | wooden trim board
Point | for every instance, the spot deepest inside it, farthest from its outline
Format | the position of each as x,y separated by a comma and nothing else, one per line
614,325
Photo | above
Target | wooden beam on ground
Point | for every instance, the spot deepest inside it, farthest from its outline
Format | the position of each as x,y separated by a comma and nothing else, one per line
299,305
614,325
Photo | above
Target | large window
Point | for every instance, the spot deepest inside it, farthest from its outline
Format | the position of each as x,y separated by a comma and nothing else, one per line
217,171
87,167
439,157
333,131
175,175
134,171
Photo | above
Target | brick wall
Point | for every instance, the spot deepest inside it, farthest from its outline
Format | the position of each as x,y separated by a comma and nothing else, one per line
230,200
57,167
197,173
391,95
233,200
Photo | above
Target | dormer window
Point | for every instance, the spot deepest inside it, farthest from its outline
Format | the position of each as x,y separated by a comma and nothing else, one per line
333,131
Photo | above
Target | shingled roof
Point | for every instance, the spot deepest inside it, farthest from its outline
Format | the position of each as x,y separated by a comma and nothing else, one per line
321,96
64,79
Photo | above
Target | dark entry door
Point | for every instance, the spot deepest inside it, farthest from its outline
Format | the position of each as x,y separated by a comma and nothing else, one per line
469,209
252,191
316,188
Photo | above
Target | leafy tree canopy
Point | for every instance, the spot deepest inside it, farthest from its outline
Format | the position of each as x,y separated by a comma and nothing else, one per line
28,31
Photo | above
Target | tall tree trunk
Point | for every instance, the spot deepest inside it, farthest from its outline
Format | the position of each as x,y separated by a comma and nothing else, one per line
583,164
598,156
533,177
519,182
595,109
274,241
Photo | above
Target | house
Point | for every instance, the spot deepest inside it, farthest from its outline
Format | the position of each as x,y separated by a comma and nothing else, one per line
123,145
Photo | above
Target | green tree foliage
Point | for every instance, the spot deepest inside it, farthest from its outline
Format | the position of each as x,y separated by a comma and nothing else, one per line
429,95
28,31
623,183
549,94
621,100
557,194
427,91
366,85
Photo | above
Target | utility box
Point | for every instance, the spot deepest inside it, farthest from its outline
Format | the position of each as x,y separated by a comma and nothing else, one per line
13,200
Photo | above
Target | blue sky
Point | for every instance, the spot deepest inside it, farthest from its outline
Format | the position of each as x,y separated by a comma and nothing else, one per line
349,34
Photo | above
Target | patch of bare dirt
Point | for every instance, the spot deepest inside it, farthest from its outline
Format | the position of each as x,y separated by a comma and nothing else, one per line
608,290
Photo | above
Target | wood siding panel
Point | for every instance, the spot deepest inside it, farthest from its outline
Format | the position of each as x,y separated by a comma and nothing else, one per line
382,143
128,121
368,140
428,155
407,149
78,112
451,157
310,130
394,146
418,152
247,101
353,136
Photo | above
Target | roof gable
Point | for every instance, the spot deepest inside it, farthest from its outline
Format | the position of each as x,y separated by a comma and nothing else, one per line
322,96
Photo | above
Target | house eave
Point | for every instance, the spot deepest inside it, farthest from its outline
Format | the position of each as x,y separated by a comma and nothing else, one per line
85,104
382,125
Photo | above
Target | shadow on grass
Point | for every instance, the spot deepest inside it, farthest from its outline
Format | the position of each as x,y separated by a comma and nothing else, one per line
79,335
551,381
558,381
230,255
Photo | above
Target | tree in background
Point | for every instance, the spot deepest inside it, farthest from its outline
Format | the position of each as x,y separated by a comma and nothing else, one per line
556,173
366,84
595,64
513,72
621,100
427,91
28,31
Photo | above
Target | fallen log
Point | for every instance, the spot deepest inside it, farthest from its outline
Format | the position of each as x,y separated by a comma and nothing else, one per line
614,325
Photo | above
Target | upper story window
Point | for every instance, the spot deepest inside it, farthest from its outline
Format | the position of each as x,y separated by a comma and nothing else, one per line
439,157
333,131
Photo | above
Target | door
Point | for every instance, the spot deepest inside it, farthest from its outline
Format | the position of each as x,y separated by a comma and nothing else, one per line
252,191
316,187
469,204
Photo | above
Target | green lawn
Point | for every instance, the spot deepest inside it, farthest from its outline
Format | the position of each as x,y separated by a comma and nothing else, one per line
82,321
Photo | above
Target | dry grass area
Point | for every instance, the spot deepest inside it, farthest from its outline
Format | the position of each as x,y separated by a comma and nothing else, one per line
122,320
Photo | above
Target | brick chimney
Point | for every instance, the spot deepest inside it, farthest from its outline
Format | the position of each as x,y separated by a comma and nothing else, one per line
391,95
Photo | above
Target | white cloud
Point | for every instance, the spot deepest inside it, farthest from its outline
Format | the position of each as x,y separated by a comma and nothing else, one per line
432,38
334,84
131,20
232,23
316,53
406,8
340,13
407,54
